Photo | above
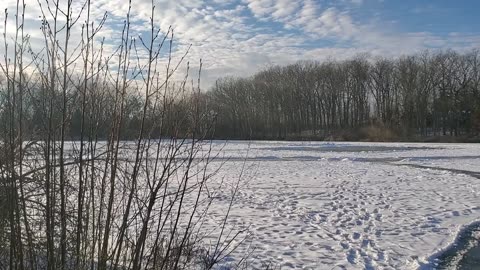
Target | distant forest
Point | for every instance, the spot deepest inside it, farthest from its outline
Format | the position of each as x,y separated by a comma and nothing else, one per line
423,95
430,95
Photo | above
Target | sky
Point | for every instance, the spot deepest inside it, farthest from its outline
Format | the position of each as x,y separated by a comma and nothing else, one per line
241,37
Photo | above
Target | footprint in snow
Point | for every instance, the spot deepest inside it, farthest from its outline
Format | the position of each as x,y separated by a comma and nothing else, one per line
352,256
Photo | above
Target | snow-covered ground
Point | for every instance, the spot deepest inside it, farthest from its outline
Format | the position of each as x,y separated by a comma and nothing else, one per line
314,205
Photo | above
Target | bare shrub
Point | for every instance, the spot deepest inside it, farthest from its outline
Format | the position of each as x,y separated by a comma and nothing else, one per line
74,193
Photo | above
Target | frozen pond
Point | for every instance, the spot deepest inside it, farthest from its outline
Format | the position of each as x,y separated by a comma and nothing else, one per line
313,205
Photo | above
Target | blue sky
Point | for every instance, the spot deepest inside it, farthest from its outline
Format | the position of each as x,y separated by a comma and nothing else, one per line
439,16
240,37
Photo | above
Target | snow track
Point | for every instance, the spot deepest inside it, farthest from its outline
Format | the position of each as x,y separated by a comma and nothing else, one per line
354,210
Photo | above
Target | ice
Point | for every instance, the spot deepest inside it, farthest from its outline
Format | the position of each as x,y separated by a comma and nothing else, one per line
312,206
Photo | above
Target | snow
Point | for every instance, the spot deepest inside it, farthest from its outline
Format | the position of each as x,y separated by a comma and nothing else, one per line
313,205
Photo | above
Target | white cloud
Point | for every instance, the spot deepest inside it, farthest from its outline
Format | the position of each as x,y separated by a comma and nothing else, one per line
237,37
357,2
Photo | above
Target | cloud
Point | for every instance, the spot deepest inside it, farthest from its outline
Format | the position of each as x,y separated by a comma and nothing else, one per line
357,2
239,37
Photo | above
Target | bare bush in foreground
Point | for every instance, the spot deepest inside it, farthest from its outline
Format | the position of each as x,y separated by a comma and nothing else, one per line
95,201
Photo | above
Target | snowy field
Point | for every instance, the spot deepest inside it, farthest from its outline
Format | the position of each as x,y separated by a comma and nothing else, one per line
314,205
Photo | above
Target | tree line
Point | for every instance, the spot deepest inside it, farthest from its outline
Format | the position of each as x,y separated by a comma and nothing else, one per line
427,94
